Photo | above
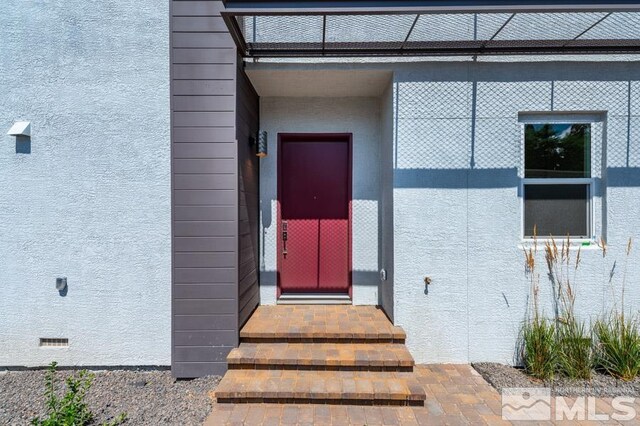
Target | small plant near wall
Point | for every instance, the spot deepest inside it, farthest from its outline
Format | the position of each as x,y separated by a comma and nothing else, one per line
618,335
575,354
562,345
70,409
618,346
539,351
565,345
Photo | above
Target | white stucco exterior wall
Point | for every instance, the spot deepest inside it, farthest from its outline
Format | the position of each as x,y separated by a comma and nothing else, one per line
357,115
457,204
91,201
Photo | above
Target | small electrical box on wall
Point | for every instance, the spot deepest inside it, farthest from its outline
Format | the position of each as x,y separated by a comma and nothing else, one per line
61,283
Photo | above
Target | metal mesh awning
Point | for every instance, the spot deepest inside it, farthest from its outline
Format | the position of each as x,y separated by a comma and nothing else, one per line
317,32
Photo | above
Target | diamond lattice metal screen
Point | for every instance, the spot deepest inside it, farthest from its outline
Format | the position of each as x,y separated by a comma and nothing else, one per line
260,33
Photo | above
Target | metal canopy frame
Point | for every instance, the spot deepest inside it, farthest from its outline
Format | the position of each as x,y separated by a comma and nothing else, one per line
238,12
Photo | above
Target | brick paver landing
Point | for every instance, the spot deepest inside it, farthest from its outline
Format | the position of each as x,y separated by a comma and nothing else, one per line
456,395
320,323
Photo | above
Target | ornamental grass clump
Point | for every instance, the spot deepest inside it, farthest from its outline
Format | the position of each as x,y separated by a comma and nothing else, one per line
573,337
540,352
618,346
539,349
575,353
618,336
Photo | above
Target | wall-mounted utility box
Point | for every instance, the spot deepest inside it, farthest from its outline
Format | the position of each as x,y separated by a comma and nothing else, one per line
20,128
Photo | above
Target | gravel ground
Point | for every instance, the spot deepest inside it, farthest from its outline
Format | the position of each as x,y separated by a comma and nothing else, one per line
148,397
601,385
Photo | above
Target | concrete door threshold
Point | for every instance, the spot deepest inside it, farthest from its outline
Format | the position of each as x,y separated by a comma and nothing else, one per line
314,299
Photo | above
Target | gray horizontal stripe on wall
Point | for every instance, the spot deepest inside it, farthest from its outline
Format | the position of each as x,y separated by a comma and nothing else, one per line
204,291
204,260
200,40
196,8
203,87
213,197
200,354
205,322
203,338
203,71
181,213
203,134
203,23
198,369
198,150
204,181
205,306
204,103
205,229
204,56
199,118
204,165
203,244
204,275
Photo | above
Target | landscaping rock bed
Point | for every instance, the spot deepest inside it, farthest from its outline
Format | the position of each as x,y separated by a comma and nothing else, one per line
601,385
148,397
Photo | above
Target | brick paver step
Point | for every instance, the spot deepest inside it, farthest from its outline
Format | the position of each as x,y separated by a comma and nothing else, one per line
331,387
330,356
320,323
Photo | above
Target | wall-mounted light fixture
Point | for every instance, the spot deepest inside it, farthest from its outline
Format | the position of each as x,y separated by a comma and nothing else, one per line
261,150
20,128
61,283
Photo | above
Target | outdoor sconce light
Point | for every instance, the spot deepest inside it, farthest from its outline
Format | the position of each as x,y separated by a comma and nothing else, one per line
261,150
61,283
20,128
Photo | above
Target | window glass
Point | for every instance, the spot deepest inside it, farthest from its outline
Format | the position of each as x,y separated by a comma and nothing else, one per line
556,210
557,151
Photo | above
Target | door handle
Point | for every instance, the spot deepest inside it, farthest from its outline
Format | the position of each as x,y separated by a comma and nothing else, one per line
285,237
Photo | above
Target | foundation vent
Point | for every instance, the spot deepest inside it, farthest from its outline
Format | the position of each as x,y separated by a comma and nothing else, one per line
48,342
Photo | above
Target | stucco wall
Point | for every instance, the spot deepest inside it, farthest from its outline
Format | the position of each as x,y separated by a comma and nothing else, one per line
457,211
360,116
91,201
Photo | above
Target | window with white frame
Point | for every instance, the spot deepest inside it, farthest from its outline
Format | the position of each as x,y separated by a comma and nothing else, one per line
557,184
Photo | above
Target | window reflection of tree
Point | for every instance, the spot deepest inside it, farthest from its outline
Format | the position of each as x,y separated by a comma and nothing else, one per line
557,150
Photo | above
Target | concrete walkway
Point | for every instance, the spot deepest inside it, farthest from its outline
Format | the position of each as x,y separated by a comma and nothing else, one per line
456,395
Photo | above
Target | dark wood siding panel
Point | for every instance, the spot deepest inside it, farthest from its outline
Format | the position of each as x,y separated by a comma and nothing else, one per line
203,291
204,189
203,134
197,8
201,40
248,164
196,369
205,24
203,56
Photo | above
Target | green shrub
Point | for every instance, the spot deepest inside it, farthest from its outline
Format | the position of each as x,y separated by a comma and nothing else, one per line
575,353
540,353
71,409
618,346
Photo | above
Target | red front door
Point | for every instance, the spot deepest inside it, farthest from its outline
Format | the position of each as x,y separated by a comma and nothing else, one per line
314,192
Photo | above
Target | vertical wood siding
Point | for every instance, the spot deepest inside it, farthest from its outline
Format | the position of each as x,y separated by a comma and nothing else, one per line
205,182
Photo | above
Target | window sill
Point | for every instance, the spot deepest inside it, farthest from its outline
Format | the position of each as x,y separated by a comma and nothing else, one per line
574,243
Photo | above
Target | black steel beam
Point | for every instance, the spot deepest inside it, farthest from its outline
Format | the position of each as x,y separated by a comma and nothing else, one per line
409,7
512,47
